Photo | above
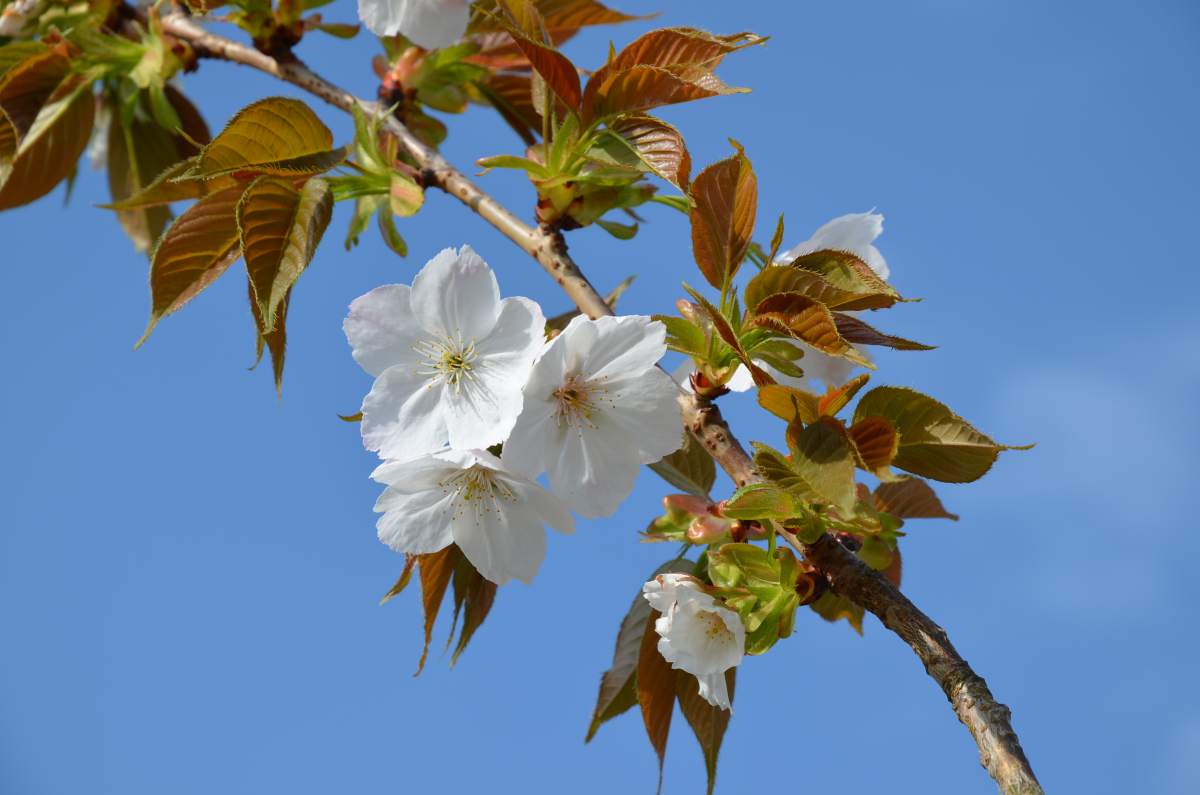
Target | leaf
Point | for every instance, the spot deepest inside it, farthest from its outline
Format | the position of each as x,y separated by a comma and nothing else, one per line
656,692
809,321
833,606
555,68
410,561
642,88
876,442
658,145
681,46
618,691
684,336
729,337
934,441
280,228
822,457
50,147
761,501
137,153
474,594
275,135
436,569
910,498
775,279
389,233
838,397
690,468
849,274
617,230
854,330
166,188
405,196
198,247
725,197
789,403
708,722
274,340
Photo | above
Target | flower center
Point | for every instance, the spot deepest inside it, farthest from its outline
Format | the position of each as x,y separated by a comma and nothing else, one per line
478,491
714,627
450,360
577,402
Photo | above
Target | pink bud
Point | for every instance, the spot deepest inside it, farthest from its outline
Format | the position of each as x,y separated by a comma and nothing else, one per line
686,503
707,529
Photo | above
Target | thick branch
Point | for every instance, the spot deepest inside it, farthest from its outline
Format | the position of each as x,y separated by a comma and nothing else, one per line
988,720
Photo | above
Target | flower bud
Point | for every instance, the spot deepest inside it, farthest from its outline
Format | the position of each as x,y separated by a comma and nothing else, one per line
696,506
707,529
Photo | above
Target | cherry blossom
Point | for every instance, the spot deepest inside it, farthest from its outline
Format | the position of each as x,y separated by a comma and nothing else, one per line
696,633
596,409
449,356
468,498
426,23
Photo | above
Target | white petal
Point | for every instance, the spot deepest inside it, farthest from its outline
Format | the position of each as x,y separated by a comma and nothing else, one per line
661,591
414,523
413,475
403,416
483,411
381,329
427,23
595,470
456,296
612,346
550,510
855,233
645,409
502,544
714,690
742,380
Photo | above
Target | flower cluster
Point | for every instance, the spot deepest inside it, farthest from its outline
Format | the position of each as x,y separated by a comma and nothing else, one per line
458,370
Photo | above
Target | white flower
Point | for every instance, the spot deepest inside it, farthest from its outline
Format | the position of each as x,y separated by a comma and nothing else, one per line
466,497
426,23
856,233
696,633
449,357
15,16
596,409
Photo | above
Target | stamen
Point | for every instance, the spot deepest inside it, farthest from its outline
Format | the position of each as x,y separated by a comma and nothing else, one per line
714,627
452,361
577,402
478,491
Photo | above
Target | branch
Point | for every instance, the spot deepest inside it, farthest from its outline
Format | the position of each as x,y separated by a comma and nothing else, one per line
988,720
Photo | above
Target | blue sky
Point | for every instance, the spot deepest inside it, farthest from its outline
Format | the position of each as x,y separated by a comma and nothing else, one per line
189,574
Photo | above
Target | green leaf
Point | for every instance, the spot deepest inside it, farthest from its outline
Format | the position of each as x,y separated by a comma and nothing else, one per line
619,231
618,691
708,722
275,339
729,336
762,501
876,443
822,456
280,229
789,403
934,441
405,197
534,168
275,135
194,251
776,279
849,274
167,188
684,336
365,207
690,468
387,229
726,200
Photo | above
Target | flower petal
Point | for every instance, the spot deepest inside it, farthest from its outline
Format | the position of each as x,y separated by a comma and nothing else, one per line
415,523
854,232
381,329
403,416
713,689
613,346
501,544
456,296
427,23
645,411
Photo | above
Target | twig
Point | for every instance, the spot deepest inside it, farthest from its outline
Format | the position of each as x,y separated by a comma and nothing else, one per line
988,720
